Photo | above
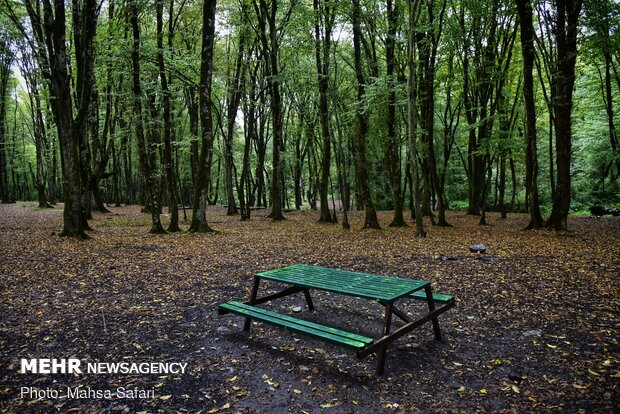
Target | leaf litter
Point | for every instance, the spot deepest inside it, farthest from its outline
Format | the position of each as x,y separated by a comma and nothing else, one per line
535,327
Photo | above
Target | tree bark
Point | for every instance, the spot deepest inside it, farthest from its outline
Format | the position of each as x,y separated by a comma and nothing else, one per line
324,21
6,60
563,81
412,120
49,32
391,147
147,168
168,161
608,97
268,31
199,210
525,10
361,163
235,86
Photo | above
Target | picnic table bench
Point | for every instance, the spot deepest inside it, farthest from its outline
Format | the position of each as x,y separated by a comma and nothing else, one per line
382,289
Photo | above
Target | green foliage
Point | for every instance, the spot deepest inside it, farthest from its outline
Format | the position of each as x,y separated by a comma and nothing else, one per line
594,181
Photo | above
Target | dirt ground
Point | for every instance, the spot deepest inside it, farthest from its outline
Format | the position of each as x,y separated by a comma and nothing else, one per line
535,328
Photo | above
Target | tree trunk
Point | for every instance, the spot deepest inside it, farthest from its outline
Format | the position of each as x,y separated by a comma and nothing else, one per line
50,35
249,113
235,86
563,81
361,163
168,160
531,153
6,60
392,145
151,189
101,151
39,131
323,24
199,210
269,36
412,120
608,97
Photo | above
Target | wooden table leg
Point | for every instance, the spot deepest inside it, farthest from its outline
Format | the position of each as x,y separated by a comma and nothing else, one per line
386,330
397,312
308,299
431,308
253,293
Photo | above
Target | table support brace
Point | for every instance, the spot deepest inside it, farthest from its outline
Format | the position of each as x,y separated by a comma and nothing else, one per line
431,308
383,342
286,292
252,301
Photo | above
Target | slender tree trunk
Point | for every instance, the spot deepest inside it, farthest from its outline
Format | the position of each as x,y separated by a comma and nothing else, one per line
245,192
39,131
168,160
6,60
412,119
323,24
531,154
342,177
361,163
563,81
235,86
261,151
244,188
392,145
608,97
100,149
147,168
267,12
502,186
199,216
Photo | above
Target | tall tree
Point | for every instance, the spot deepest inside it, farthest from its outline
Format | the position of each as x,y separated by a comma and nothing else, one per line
604,17
486,47
531,153
168,160
414,12
234,86
393,142
269,32
49,27
324,20
361,163
6,60
146,147
249,115
39,131
203,175
565,29
429,32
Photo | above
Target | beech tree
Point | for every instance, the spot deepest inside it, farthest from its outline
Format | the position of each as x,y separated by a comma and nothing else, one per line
565,29
49,27
361,164
324,20
287,104
531,158
6,60
203,174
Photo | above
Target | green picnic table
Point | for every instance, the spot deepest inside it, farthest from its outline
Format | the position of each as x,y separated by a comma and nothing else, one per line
386,290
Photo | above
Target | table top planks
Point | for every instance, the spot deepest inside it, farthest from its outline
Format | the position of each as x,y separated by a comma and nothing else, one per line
363,285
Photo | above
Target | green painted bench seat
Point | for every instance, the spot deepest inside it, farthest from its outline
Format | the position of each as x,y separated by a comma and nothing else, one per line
437,297
335,336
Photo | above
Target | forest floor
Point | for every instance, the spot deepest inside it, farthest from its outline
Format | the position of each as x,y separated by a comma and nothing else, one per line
536,326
